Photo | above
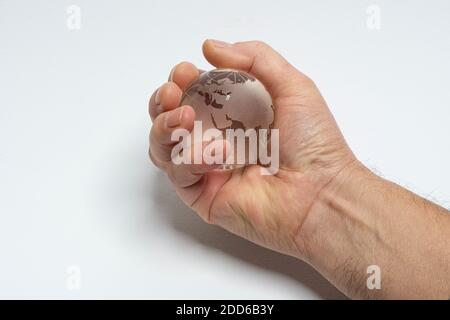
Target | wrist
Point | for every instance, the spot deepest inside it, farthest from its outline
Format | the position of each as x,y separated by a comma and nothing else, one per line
360,220
339,236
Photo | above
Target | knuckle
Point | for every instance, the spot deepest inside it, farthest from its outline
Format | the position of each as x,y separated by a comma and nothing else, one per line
299,77
309,82
308,79
260,45
257,45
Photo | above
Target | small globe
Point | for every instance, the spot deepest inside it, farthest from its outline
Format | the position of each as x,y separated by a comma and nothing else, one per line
230,99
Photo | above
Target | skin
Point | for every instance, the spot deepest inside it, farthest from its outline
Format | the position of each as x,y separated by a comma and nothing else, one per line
323,206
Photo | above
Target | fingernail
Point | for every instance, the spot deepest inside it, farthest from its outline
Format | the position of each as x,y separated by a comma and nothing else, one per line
174,118
159,109
157,97
220,44
171,73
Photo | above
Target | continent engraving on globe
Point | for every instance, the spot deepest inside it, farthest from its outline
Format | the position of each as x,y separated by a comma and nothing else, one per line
229,100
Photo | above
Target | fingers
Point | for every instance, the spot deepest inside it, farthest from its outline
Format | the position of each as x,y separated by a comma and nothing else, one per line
183,74
200,158
168,96
259,59
163,126
195,188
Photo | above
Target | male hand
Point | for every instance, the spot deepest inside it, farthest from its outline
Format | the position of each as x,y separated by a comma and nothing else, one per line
268,210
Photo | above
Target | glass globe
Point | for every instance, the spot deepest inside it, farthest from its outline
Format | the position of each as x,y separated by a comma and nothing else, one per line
229,100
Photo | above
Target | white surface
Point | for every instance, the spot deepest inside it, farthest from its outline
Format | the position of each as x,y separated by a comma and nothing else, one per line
76,187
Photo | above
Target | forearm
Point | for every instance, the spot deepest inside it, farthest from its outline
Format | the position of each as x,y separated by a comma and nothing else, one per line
361,220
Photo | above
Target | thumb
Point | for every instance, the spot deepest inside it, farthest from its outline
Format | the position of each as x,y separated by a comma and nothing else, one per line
279,77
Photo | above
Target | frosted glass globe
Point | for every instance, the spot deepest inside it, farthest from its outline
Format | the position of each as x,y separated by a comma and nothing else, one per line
231,99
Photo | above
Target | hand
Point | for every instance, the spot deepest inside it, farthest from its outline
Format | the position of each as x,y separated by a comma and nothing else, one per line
322,206
268,210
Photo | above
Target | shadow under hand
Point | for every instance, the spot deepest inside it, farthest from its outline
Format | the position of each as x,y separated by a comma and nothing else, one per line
184,220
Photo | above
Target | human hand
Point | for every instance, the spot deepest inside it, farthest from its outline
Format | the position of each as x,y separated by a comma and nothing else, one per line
268,210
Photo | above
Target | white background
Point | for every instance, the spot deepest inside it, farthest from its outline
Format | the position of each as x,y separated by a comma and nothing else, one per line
77,189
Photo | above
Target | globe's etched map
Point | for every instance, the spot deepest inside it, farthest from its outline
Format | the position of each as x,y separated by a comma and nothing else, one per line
230,99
